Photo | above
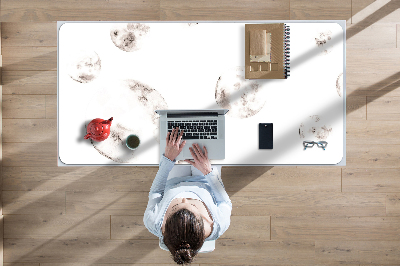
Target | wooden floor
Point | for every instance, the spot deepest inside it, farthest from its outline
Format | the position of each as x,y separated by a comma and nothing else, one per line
281,215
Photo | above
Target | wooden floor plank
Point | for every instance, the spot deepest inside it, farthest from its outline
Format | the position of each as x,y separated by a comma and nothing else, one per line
24,106
29,34
140,179
0,32
370,12
372,84
30,82
30,58
383,108
372,156
64,10
110,203
371,180
247,203
356,108
248,227
129,227
314,264
336,228
50,226
51,106
223,10
308,204
284,179
256,204
256,252
365,60
359,5
241,227
373,132
362,252
30,154
393,204
321,9
85,251
378,264
148,251
21,264
80,179
1,158
1,236
384,36
111,264
14,130
33,202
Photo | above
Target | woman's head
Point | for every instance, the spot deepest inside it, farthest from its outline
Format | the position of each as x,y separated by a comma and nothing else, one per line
184,235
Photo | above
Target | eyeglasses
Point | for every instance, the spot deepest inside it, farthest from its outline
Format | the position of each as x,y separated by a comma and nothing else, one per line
309,144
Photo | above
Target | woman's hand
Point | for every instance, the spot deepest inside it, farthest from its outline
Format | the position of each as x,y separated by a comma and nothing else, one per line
172,149
201,161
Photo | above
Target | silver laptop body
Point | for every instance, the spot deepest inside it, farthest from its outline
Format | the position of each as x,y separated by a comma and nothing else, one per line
204,127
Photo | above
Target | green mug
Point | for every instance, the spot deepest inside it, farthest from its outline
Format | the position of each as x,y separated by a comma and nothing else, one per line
132,142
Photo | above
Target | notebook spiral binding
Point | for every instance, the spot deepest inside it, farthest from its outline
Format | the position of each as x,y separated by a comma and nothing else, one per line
286,49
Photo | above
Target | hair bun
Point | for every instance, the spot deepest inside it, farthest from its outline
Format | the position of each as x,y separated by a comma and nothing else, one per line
183,255
184,246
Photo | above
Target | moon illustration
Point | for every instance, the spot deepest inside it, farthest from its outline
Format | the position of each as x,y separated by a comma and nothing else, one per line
339,84
314,128
242,97
128,37
323,41
114,147
132,104
84,66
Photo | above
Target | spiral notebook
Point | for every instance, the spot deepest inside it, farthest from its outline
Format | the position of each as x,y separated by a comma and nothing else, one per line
267,51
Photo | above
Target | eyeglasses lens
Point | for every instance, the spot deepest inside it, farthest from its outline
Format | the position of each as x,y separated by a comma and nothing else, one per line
322,144
308,144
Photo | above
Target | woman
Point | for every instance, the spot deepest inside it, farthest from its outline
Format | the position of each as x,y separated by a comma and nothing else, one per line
186,209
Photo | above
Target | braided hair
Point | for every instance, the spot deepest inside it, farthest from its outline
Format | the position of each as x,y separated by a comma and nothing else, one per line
184,235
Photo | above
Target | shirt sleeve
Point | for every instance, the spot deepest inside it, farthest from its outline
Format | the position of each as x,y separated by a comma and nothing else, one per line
224,204
156,194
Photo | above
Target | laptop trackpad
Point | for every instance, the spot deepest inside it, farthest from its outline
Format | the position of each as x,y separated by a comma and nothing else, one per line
186,151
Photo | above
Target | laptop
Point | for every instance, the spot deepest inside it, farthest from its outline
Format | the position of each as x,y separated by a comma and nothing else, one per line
204,127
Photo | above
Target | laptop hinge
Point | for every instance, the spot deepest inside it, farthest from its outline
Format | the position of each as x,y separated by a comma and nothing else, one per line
195,114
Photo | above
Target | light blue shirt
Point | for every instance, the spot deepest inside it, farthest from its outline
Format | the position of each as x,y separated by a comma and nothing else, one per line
209,188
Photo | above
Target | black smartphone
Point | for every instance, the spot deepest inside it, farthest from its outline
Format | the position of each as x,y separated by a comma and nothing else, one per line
265,136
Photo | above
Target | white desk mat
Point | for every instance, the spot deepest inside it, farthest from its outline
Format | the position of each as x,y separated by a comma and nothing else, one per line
181,65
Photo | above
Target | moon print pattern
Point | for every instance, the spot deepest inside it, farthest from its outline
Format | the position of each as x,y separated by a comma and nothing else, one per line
149,98
128,37
242,97
113,147
314,128
339,84
322,41
84,67
132,104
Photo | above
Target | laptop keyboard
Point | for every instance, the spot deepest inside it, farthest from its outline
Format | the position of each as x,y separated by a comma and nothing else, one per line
196,129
